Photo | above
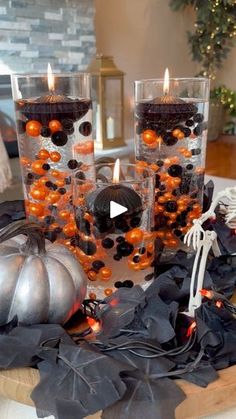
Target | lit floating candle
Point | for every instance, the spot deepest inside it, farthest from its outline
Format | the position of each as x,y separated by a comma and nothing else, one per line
167,109
98,201
53,106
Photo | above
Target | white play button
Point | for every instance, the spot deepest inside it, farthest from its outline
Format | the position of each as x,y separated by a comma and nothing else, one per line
116,209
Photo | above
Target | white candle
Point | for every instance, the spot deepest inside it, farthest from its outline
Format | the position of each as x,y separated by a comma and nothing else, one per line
110,128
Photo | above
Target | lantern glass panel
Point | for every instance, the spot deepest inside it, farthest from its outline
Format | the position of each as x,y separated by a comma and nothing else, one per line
113,108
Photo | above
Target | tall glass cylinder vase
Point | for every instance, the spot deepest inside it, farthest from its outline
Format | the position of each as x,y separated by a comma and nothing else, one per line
171,118
54,130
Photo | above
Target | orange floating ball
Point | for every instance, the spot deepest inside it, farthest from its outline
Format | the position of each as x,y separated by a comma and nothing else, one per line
55,125
33,128
60,183
92,296
55,156
108,291
43,154
180,135
39,193
149,136
69,229
92,275
134,236
176,132
105,273
53,197
35,209
64,214
37,168
55,173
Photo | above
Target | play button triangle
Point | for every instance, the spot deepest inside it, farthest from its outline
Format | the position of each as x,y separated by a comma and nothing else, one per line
116,209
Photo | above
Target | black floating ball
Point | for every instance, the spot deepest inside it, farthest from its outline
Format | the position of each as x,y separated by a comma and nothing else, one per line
195,151
85,128
160,163
107,243
46,166
175,170
189,166
198,117
72,164
117,257
80,175
198,130
62,191
67,123
118,284
189,123
171,206
124,248
87,246
97,265
45,132
59,138
169,139
128,283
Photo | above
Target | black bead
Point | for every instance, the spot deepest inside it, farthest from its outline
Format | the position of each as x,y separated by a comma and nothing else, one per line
97,265
186,131
189,167
118,284
62,191
85,128
46,166
72,164
49,219
160,163
121,224
68,126
171,206
30,176
177,232
148,277
128,283
189,123
142,250
80,175
59,138
117,257
174,225
162,187
88,247
135,222
107,243
45,132
157,180
195,151
51,185
120,239
169,139
175,170
125,248
198,117
198,130
136,259
183,223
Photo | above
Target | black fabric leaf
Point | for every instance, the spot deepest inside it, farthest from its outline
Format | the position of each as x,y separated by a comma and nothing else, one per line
82,382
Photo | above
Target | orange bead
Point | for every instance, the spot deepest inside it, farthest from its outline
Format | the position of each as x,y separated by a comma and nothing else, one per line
92,275
33,128
134,266
134,236
105,273
55,125
149,136
37,168
55,173
161,199
173,243
55,156
43,180
43,154
88,217
36,209
180,135
153,146
39,193
53,197
176,132
92,296
64,214
145,264
60,183
150,247
188,154
160,234
25,161
154,167
69,229
86,267
108,291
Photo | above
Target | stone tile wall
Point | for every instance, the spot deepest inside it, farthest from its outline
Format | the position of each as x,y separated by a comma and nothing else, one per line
35,32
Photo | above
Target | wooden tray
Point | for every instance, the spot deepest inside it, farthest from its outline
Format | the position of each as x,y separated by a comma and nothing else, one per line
17,384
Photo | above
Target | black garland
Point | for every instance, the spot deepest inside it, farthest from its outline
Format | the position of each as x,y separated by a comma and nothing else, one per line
143,341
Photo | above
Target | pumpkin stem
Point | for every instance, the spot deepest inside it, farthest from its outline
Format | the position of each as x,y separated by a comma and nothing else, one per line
35,238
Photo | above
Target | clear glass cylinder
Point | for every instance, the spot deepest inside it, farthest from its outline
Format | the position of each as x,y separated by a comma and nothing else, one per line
115,251
54,131
170,137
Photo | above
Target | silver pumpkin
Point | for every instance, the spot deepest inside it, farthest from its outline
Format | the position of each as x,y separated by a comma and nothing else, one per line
40,282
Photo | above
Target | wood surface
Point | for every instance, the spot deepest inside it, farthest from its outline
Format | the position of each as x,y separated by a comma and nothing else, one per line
221,157
17,384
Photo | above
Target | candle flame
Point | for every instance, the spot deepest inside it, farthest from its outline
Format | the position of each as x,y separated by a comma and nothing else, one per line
166,86
116,173
50,79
